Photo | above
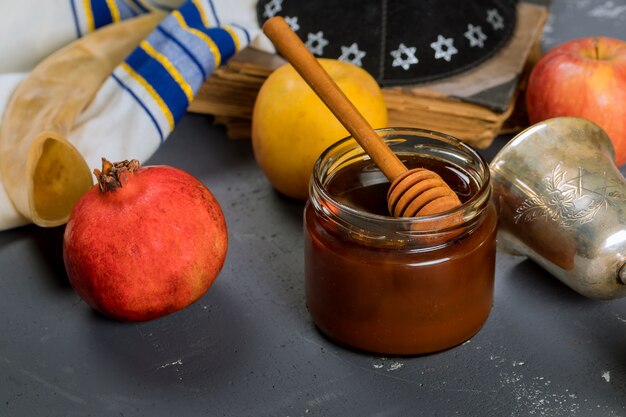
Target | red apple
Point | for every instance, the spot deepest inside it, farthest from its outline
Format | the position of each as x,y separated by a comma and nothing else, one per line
583,78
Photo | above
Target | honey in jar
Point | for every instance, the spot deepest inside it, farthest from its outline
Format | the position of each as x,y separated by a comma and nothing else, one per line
399,285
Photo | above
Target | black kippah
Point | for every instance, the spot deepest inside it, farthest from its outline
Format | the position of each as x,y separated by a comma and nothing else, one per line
399,41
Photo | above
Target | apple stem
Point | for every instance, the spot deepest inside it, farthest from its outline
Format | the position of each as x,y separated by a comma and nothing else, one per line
595,46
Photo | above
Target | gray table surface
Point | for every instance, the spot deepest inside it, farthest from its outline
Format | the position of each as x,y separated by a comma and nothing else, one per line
249,348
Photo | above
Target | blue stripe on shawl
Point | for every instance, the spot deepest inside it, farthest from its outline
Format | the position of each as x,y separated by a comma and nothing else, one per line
101,13
195,46
125,10
179,58
244,30
192,15
143,106
75,15
217,19
185,49
223,40
161,80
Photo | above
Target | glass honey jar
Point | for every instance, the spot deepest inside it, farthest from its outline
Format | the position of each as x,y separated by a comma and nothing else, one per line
390,285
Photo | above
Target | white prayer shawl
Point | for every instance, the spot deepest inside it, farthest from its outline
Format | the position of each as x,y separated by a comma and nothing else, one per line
138,106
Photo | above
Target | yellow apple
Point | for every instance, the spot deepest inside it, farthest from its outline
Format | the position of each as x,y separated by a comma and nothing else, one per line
291,126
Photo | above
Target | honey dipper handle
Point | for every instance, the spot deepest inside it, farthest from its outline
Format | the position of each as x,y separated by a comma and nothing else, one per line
294,51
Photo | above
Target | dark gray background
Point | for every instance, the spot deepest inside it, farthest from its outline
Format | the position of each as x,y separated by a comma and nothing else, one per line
249,348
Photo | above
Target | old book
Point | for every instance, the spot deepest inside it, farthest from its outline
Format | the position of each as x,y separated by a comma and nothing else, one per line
474,106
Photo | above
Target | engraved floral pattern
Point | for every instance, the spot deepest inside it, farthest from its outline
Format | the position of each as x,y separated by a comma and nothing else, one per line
568,200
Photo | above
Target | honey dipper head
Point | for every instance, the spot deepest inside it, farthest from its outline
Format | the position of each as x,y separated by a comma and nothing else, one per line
420,192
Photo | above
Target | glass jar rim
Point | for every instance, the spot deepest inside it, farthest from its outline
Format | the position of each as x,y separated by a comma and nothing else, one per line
480,197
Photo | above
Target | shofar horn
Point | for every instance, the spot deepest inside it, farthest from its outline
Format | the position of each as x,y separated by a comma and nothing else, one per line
44,174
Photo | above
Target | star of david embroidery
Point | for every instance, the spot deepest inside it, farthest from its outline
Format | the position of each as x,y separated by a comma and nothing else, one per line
495,18
444,48
475,36
272,8
292,22
316,43
352,54
404,57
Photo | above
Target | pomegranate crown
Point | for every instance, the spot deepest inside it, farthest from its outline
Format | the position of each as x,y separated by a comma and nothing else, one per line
115,175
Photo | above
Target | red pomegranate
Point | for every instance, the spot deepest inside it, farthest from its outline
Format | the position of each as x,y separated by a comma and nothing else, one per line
144,242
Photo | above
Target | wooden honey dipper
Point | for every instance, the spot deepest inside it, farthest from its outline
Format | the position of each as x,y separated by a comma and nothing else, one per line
415,192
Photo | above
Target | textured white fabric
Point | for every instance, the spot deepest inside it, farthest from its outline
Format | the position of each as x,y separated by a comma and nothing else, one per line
9,217
43,26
